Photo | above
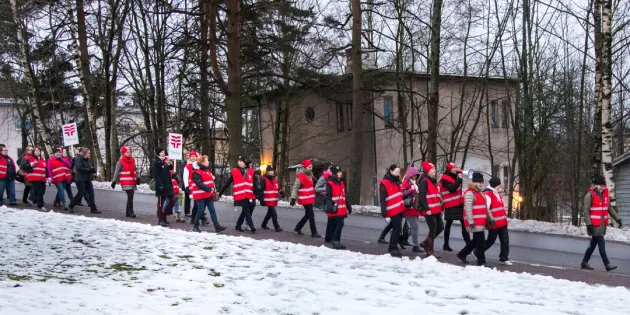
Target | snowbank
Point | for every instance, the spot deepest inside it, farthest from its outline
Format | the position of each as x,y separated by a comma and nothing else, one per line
58,264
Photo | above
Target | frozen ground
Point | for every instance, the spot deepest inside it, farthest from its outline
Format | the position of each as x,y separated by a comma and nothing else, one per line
76,265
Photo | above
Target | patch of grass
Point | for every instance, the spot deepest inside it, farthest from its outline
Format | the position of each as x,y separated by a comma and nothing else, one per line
125,267
214,273
90,270
187,299
175,304
172,265
133,278
13,277
208,248
164,256
185,256
219,285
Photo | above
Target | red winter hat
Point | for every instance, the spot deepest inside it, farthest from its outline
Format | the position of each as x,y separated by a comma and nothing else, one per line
193,154
450,166
427,166
307,163
124,150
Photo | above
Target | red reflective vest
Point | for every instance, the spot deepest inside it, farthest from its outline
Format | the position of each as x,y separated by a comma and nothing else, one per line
599,208
190,169
270,195
3,167
175,187
338,198
306,193
497,208
127,176
243,187
394,202
433,199
39,170
58,170
208,179
409,212
479,210
451,200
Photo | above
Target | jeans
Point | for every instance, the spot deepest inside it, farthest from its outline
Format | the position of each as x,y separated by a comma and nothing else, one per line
174,200
9,186
435,223
414,224
396,228
38,189
246,215
504,238
84,189
599,242
273,216
164,207
478,243
201,205
309,215
61,188
176,208
447,232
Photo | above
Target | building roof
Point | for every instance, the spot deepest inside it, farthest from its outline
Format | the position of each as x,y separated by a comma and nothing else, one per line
621,159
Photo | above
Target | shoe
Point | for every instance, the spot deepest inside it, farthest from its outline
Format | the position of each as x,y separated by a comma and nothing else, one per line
433,253
71,209
167,223
462,258
240,229
382,240
481,264
219,229
196,229
402,245
426,245
163,224
298,232
279,229
337,245
25,202
395,253
264,227
253,231
447,248
56,205
417,249
80,205
506,263
42,209
205,222
586,266
610,267
95,211
132,215
315,235
247,228
406,243
13,204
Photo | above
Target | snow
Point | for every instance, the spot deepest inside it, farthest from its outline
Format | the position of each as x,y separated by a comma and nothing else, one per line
612,234
76,265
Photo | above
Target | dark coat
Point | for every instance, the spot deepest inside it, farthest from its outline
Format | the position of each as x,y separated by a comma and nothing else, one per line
161,174
83,169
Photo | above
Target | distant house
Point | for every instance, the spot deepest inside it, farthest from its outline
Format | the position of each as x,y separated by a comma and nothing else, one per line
621,173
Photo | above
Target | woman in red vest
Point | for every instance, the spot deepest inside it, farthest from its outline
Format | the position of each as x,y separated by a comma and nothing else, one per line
453,202
336,207
243,192
203,192
595,211
126,173
494,201
392,205
58,169
269,194
28,193
35,173
430,205
476,217
304,191
412,216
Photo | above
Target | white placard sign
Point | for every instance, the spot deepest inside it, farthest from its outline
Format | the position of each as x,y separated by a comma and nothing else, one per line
70,134
175,141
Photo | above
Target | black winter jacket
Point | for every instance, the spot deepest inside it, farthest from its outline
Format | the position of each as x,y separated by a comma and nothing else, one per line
383,190
83,169
160,173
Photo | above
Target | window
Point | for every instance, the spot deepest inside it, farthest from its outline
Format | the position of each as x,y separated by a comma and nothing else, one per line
340,117
310,114
349,115
504,113
387,111
495,171
494,117
506,175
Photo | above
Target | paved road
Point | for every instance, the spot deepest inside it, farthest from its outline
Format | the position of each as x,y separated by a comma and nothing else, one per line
558,256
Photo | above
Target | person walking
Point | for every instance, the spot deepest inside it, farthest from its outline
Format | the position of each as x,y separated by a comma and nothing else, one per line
8,173
596,210
203,192
336,207
161,168
243,192
27,195
34,167
412,215
177,195
392,205
125,172
430,206
270,194
187,171
494,202
477,216
57,171
453,201
83,178
67,180
320,188
304,191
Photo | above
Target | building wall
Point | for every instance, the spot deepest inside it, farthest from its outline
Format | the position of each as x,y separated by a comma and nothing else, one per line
10,134
622,188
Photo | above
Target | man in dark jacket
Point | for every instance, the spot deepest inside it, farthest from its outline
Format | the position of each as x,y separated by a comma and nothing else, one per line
8,171
161,168
83,178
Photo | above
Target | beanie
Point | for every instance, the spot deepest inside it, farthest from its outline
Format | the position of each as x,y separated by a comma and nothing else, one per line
494,182
599,180
270,168
477,178
307,163
335,169
193,154
427,166
124,150
158,150
450,166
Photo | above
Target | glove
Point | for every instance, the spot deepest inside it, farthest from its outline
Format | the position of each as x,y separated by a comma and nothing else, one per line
383,212
93,171
349,209
113,185
292,203
589,230
471,228
619,223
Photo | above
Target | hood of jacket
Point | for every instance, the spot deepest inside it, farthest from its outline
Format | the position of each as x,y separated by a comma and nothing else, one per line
412,171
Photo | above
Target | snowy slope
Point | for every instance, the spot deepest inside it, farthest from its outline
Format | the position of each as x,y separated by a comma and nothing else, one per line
77,265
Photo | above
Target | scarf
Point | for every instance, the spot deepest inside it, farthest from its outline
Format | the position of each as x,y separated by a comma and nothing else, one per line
129,164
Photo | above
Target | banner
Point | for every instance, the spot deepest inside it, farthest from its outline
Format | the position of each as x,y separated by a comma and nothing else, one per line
70,134
175,146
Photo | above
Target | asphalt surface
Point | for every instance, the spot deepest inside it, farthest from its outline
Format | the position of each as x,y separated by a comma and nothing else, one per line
544,254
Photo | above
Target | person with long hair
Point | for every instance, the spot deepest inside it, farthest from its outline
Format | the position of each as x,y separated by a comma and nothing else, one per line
57,171
412,215
392,205
337,208
27,194
34,167
125,172
453,201
161,168
203,192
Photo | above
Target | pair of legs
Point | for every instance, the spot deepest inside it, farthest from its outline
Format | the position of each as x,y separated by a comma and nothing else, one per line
396,222
201,205
129,207
246,215
436,226
84,188
164,207
60,197
309,215
447,234
597,241
273,216
414,230
38,189
333,231
9,186
504,238
478,244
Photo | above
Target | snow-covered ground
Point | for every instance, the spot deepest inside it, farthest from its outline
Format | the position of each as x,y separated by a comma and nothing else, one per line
52,263
613,234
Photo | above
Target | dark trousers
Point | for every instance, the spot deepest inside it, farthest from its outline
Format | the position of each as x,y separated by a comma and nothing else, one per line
38,191
27,191
69,190
334,228
309,215
435,223
187,202
330,230
246,215
447,232
129,208
84,188
162,211
478,244
597,241
272,215
504,238
396,222
386,230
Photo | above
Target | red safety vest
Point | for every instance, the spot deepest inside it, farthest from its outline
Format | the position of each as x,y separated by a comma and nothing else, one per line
306,193
394,202
599,208
39,170
409,212
243,187
127,177
433,199
270,195
497,208
175,187
3,167
449,199
208,179
190,169
479,210
339,198
58,170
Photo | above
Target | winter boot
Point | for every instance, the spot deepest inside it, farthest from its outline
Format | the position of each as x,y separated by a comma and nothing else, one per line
316,235
395,253
610,267
337,245
163,224
219,229
447,248
417,249
264,227
462,258
429,246
95,211
432,249
196,229
298,232
239,228
278,229
382,240
586,266
425,245
56,205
